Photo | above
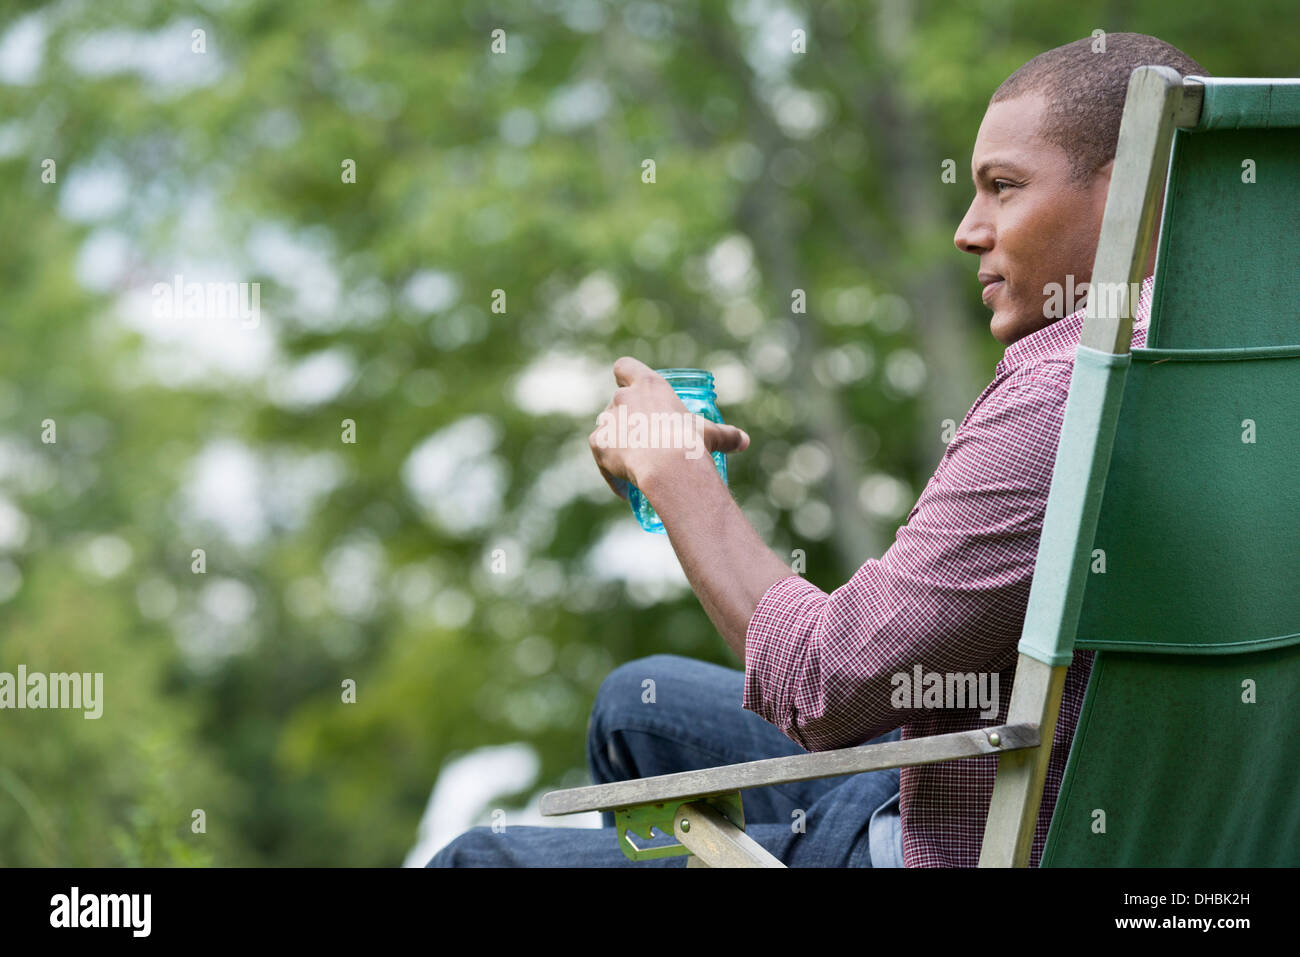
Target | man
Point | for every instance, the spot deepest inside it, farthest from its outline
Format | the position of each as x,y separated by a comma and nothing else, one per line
949,596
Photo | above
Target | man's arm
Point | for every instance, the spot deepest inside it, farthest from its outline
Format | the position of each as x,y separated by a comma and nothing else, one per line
728,565
724,559
948,597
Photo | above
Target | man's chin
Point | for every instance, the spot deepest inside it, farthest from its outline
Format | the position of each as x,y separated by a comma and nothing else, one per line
1002,327
1008,327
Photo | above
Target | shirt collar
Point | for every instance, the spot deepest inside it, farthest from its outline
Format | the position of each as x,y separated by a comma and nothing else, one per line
1063,335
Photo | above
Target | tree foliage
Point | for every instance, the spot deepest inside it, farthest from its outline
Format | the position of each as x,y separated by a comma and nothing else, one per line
521,171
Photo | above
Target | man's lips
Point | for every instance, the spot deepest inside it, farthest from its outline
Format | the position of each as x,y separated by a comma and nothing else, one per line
991,289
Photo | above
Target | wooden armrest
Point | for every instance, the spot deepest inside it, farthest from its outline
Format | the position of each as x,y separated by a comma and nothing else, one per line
711,782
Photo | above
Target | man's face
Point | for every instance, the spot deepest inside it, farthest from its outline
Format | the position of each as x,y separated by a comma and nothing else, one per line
1029,225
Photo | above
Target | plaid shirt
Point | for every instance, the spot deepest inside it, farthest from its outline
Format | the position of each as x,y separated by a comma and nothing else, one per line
949,595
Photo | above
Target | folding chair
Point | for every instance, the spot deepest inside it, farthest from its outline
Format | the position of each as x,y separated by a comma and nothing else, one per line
1170,544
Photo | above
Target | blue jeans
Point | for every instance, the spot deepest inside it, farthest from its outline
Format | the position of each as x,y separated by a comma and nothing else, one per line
695,721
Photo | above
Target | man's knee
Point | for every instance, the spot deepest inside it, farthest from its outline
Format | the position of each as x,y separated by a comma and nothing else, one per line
627,688
477,847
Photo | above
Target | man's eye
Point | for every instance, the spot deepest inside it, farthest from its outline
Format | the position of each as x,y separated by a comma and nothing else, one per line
1001,182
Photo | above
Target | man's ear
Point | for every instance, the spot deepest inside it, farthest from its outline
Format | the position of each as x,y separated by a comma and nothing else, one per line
1099,185
1102,175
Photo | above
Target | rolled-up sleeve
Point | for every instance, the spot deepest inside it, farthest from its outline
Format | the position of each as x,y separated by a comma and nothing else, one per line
949,595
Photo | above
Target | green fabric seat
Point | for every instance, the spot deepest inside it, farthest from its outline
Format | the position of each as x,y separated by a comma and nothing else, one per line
1189,738
1187,750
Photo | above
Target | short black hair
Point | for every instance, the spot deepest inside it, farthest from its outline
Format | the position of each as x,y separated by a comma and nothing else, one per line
1085,91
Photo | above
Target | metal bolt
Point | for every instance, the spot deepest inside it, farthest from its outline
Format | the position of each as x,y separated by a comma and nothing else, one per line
686,825
995,739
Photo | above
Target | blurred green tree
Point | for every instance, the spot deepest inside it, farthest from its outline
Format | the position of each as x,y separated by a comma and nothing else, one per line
388,180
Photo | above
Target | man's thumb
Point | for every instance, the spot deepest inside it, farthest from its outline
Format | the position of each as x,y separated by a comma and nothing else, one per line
726,438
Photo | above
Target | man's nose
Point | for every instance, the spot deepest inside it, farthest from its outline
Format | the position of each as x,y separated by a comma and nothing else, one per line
974,233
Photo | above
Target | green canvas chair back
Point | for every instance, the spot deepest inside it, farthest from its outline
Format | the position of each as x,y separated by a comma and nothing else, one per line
1187,750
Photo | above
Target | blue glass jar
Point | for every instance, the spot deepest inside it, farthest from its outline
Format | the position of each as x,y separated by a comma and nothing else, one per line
695,388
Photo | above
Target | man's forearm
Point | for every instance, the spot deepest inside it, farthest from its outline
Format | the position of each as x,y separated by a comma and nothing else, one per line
728,565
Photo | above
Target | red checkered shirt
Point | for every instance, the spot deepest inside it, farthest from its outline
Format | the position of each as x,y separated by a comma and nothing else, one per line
948,595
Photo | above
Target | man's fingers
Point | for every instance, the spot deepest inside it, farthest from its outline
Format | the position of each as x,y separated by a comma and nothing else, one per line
726,438
628,370
595,441
616,485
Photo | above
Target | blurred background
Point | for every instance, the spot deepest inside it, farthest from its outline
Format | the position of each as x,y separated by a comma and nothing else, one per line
386,178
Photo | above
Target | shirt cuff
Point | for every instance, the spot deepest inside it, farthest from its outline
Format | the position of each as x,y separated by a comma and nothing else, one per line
776,650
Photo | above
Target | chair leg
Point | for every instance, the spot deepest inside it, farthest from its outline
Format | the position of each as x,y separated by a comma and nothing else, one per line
1018,786
716,842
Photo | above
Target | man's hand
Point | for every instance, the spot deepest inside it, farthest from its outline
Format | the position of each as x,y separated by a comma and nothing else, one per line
624,443
725,561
